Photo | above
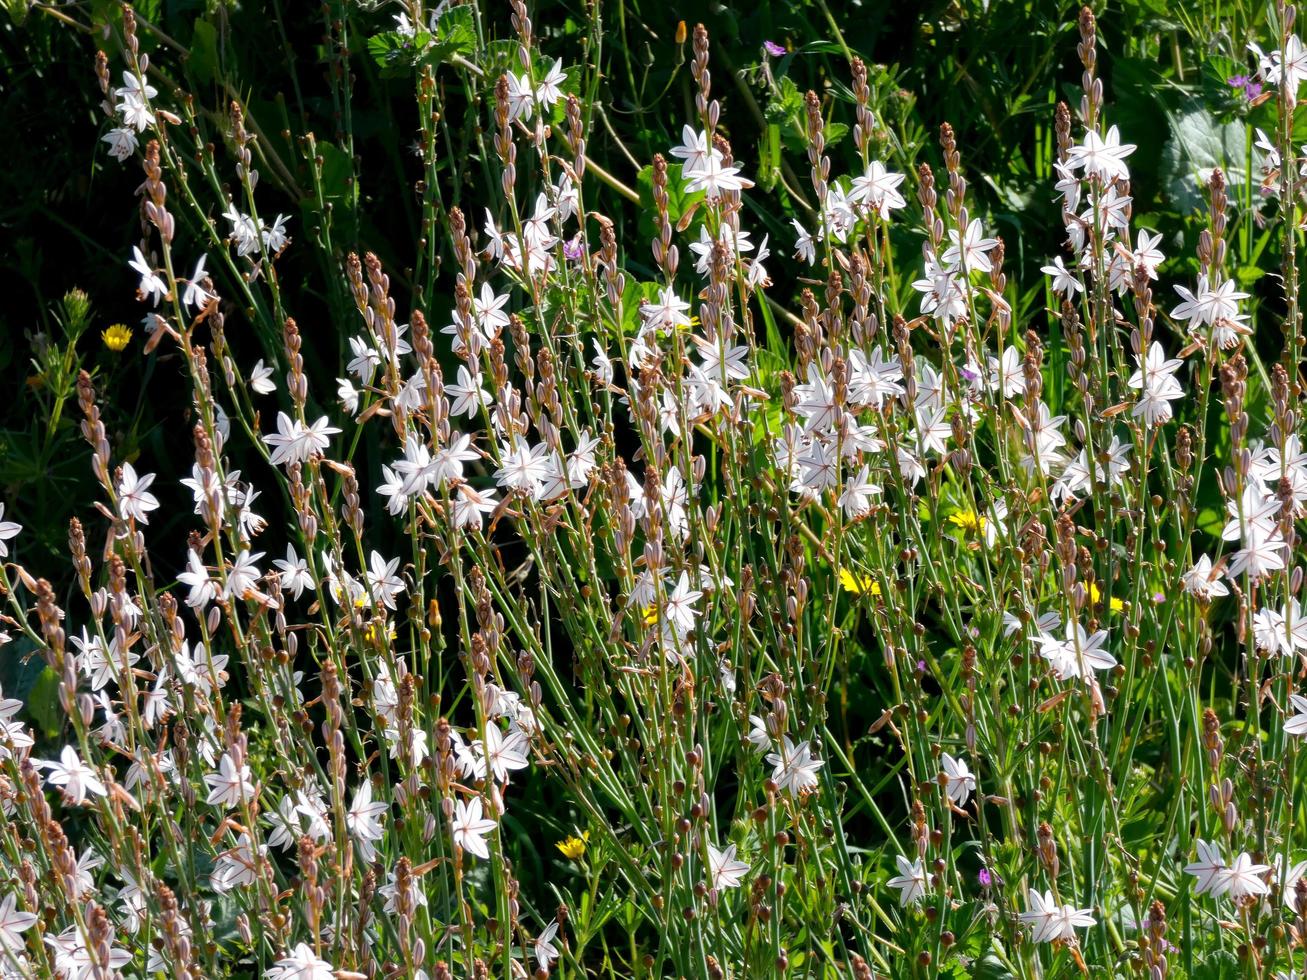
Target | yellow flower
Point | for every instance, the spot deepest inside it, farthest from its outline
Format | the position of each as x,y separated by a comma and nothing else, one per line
373,635
574,846
968,520
117,337
1096,596
650,615
858,584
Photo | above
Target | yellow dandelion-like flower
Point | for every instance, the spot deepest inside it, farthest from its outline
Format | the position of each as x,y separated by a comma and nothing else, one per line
968,520
858,584
650,615
1115,604
574,846
117,337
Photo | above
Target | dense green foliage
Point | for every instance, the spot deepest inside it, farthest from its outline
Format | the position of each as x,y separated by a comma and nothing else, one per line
644,646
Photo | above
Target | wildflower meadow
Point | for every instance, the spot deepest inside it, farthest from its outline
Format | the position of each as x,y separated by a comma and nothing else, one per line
627,490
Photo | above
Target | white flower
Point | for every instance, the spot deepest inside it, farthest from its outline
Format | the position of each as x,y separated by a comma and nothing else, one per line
1065,283
195,294
1288,69
1208,869
1048,921
301,964
73,776
521,100
467,395
695,149
1252,515
237,867
794,769
274,237
679,607
1240,879
152,286
365,361
668,313
1202,582
135,112
973,245
1243,879
347,395
12,924
1103,157
295,442
1208,306
1261,555
230,785
243,574
910,881
550,89
470,827
856,498
122,142
804,247
758,735
261,382
714,177
525,468
723,870
8,530
295,576
1297,725
363,820
1155,381
489,310
1078,655
877,188
959,781
384,580
134,498
545,950
501,753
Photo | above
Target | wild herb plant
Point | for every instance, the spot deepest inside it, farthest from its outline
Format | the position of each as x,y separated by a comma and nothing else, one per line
643,539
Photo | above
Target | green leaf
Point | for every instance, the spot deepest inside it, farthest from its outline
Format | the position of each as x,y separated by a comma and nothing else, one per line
394,52
1220,965
456,33
203,60
678,200
43,703
1200,143
990,967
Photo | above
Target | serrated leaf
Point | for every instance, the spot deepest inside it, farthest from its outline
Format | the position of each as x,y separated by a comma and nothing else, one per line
394,52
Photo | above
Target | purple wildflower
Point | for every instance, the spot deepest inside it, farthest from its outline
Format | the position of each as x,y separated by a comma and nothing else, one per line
572,248
985,878
773,49
1247,86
